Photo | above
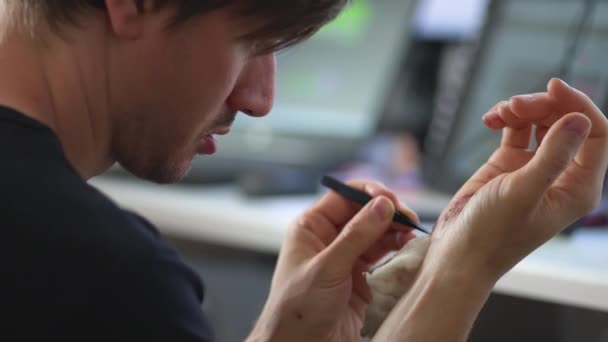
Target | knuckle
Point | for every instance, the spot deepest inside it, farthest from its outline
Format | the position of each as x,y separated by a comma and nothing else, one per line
377,184
590,202
586,199
604,126
503,108
308,220
379,189
556,161
373,188
366,183
583,96
352,233
357,182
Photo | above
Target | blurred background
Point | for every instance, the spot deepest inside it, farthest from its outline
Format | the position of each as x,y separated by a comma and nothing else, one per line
393,90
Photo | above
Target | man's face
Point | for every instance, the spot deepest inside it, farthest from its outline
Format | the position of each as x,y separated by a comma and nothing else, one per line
172,89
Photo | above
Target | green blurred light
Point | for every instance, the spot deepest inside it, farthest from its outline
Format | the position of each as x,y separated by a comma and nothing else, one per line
350,26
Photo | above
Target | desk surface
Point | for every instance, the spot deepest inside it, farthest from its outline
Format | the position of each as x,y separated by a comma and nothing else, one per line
570,271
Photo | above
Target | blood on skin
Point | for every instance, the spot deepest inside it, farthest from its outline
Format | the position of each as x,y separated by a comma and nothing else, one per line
454,209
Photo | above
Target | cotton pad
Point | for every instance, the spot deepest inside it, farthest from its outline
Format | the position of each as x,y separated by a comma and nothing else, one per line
390,281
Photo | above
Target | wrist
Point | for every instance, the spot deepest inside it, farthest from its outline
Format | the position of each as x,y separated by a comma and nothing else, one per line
465,277
265,329
441,305
262,334
271,327
445,260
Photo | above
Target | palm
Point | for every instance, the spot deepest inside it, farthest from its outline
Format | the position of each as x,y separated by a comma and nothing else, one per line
348,327
582,178
529,196
505,160
342,305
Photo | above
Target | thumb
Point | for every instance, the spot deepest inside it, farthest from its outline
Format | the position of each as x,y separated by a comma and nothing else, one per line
552,158
359,235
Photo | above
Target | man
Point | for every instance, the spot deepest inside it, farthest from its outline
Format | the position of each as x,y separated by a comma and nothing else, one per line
147,83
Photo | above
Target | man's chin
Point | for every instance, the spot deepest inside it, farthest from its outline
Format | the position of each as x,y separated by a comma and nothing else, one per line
161,174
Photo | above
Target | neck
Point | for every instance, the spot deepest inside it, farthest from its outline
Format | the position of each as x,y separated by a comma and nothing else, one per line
54,84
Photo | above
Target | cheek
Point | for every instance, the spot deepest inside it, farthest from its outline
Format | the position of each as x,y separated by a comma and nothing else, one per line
208,79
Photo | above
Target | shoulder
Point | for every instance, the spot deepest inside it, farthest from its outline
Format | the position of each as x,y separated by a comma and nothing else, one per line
77,263
82,259
64,219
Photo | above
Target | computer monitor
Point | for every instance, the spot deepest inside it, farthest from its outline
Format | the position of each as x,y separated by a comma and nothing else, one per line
449,19
523,46
330,94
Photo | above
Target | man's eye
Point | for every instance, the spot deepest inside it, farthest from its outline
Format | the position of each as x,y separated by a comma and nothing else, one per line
265,46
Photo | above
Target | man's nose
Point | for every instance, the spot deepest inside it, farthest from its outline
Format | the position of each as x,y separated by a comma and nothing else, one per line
254,91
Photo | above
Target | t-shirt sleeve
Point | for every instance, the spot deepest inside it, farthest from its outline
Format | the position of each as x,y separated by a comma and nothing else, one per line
157,300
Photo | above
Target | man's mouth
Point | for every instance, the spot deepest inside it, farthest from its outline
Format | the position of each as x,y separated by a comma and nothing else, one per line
221,131
207,143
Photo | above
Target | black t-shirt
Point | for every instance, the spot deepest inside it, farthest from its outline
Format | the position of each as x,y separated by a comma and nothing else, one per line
74,265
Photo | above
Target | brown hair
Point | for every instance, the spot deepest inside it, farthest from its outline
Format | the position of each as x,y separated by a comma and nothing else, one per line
286,22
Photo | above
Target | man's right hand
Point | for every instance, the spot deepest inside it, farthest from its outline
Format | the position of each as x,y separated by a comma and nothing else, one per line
319,291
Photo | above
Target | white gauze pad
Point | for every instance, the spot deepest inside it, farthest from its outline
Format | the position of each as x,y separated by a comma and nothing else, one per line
389,282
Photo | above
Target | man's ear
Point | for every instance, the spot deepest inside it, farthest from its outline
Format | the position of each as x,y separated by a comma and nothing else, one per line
127,16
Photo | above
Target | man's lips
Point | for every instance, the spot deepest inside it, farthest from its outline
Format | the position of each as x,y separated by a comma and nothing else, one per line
207,143
221,131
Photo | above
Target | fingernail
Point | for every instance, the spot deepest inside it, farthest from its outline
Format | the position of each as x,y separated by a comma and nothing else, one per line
564,82
488,115
524,98
383,208
492,120
578,126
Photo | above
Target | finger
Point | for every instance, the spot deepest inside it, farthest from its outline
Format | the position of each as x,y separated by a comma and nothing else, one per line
358,236
571,100
557,152
502,161
377,189
541,132
509,117
517,132
318,225
337,209
391,241
519,138
532,107
492,120
340,210
594,154
492,111
481,177
561,99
